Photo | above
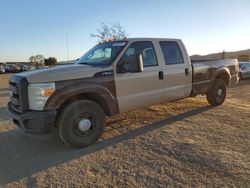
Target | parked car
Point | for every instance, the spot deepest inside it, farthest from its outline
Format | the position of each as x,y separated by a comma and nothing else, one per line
7,67
244,70
2,68
12,68
112,78
24,67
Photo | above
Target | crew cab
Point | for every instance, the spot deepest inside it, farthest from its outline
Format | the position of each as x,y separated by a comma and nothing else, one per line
111,78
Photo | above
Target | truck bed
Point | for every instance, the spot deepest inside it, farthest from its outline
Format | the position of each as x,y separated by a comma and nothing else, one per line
205,72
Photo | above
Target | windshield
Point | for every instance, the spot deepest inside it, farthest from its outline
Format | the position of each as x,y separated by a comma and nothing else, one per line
102,54
242,65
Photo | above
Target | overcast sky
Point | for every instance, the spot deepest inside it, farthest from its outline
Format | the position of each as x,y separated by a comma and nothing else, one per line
30,27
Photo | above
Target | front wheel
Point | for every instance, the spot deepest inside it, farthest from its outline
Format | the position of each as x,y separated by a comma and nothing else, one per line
81,123
217,95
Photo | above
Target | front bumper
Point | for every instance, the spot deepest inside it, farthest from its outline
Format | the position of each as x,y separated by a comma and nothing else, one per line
33,121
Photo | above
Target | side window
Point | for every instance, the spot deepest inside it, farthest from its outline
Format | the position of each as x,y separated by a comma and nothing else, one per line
146,49
172,53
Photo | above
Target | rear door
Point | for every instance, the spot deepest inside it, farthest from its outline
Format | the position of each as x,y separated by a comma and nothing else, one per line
177,70
139,89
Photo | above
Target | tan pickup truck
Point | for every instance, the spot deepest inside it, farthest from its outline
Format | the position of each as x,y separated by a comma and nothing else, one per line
112,78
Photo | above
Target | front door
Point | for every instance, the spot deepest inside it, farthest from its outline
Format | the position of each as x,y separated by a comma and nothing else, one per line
139,89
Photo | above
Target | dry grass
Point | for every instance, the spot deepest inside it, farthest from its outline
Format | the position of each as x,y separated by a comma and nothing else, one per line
182,143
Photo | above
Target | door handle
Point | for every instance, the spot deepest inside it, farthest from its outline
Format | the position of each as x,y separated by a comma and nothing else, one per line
186,72
161,75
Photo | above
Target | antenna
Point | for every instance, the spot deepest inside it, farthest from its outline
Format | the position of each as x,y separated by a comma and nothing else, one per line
67,47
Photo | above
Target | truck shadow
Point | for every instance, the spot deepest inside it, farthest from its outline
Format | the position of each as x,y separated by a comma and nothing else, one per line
22,156
4,89
4,114
4,92
243,82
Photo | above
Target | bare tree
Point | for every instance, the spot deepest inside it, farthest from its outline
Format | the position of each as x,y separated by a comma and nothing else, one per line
50,61
113,31
38,60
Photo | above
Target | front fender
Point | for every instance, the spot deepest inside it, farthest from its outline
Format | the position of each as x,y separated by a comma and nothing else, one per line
66,91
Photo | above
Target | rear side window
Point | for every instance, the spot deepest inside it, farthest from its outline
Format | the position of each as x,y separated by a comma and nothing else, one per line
171,52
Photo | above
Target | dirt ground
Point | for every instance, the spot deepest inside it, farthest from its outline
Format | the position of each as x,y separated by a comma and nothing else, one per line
177,144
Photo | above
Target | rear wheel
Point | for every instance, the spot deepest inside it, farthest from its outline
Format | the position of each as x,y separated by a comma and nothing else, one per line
217,95
81,123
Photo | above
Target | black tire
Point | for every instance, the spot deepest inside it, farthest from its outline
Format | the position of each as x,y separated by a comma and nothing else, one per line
218,93
70,118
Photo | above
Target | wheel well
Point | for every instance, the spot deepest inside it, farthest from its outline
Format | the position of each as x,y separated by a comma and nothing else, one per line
224,76
89,96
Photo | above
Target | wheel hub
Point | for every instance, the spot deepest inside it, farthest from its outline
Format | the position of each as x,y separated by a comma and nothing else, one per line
84,125
220,92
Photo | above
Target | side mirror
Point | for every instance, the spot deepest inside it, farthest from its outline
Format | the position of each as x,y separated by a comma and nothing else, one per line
132,64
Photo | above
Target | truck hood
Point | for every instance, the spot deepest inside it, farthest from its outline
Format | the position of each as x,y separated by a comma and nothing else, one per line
60,73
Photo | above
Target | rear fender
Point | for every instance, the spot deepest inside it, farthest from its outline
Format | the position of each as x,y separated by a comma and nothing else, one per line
221,73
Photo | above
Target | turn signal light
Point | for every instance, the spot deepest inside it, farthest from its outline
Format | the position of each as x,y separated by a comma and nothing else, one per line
48,91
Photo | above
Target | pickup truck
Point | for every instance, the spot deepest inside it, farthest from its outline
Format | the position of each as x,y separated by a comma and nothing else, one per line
111,78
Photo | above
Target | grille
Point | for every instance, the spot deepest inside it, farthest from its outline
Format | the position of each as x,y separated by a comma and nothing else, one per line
19,95
14,97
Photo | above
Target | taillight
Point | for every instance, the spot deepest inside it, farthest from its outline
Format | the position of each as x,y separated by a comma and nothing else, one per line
237,68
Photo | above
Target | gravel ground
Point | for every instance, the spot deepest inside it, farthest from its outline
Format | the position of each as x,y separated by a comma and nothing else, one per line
182,143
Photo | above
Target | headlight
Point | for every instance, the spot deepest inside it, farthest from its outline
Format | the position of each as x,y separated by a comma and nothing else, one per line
39,94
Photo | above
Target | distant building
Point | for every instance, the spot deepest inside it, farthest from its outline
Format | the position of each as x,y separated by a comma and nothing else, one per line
244,57
66,62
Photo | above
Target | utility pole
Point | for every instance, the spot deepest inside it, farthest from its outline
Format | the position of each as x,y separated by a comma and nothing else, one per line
223,54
